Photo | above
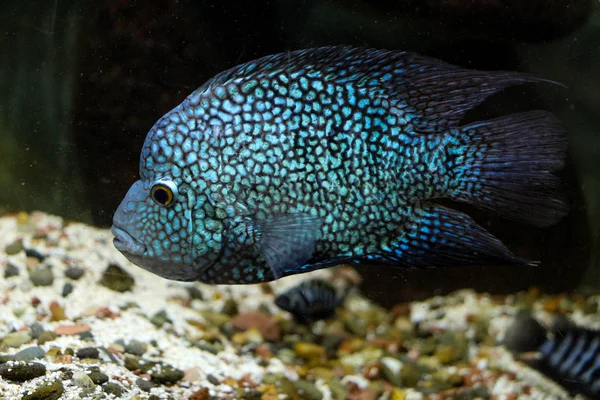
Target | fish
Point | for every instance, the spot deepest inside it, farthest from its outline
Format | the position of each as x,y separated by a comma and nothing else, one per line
310,301
568,354
309,159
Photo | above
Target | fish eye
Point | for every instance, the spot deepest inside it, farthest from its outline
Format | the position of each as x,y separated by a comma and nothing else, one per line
163,192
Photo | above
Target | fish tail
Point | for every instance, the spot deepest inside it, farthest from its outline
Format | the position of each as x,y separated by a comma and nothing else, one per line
507,167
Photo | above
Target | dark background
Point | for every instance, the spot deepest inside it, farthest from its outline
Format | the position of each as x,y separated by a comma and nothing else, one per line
82,82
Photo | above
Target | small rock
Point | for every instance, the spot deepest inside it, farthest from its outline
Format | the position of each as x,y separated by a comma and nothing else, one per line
309,351
117,279
6,358
41,276
213,379
84,382
97,377
14,248
74,272
525,333
113,388
160,318
195,293
202,394
254,319
88,352
57,311
21,372
67,289
215,318
35,330
46,336
308,390
145,385
72,329
230,307
46,392
136,348
10,271
16,339
34,254
30,353
165,374
86,336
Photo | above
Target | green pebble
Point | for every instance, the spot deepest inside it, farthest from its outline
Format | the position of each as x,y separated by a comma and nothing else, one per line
84,382
41,276
46,392
21,372
14,248
230,307
160,318
10,271
112,388
165,374
217,319
308,390
117,279
16,339
46,336
97,377
195,293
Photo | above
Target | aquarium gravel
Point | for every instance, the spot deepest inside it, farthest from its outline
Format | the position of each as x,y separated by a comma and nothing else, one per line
78,321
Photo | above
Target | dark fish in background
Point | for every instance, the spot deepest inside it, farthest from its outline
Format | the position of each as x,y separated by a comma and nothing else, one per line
314,158
569,354
310,301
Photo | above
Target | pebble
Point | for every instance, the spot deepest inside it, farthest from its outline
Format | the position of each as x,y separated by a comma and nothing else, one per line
201,394
88,352
46,336
46,392
74,272
96,376
30,353
165,374
309,351
21,371
14,248
195,293
160,318
112,388
84,382
42,276
16,339
135,347
10,270
117,279
308,390
145,385
254,319
35,330
72,329
57,311
67,289
35,254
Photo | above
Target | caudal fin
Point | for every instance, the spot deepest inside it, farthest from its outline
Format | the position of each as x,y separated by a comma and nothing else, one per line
509,167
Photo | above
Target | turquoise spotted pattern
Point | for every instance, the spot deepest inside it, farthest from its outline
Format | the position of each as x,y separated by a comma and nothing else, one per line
309,159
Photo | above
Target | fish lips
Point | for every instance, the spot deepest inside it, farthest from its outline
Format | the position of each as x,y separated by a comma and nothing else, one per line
125,243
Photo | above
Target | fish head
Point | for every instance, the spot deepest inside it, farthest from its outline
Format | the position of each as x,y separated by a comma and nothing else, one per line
161,224
152,228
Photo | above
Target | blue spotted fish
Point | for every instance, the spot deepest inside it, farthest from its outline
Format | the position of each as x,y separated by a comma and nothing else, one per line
309,159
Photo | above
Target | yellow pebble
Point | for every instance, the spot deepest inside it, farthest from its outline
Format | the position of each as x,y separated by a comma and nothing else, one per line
309,350
398,394
22,218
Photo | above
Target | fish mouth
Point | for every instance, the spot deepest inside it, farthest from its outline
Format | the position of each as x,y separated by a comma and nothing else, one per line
126,243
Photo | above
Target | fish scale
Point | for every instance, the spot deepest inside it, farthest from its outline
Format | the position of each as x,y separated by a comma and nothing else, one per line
304,160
